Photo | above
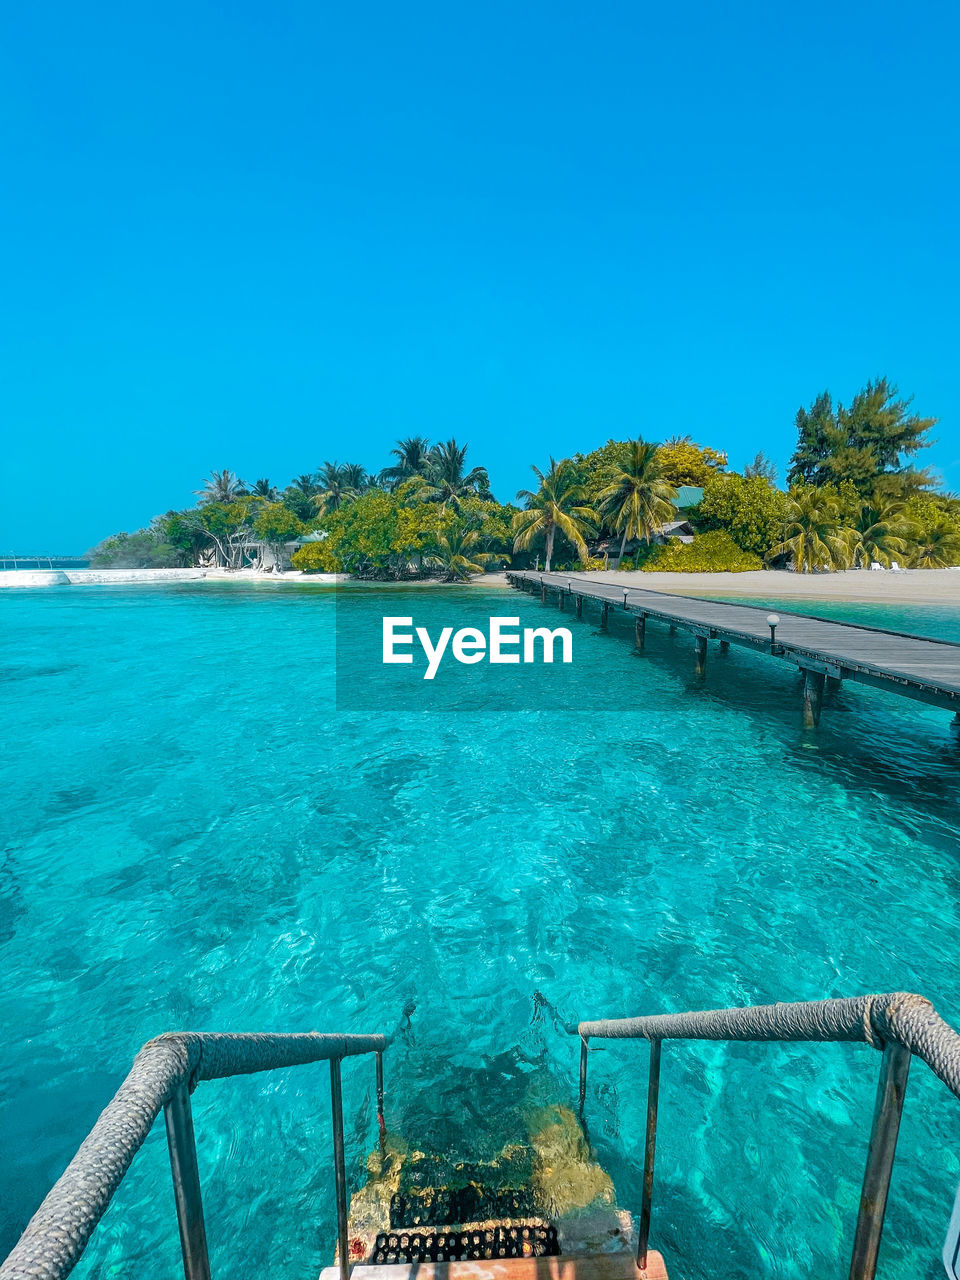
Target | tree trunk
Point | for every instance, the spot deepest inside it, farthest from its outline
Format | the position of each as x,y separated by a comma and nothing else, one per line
550,533
623,543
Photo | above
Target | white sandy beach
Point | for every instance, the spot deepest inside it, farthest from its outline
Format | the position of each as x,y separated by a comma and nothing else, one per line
909,586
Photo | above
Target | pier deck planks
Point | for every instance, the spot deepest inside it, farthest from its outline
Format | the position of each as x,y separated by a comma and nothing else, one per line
914,666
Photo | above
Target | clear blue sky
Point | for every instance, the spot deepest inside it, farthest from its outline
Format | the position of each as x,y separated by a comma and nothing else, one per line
258,236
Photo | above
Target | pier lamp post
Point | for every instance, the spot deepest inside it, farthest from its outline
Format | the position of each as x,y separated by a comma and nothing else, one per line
773,621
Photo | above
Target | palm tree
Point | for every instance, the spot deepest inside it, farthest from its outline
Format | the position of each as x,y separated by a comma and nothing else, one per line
306,484
881,532
638,499
264,489
458,553
937,548
558,505
333,488
445,477
222,486
412,455
355,477
813,532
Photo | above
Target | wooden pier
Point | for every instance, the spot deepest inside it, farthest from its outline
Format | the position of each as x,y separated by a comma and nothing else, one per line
913,666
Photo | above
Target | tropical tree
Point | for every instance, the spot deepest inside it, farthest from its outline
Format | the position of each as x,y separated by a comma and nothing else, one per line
874,439
264,489
559,505
761,468
813,533
412,458
638,500
749,508
881,532
459,553
445,478
145,549
228,526
937,547
186,531
355,476
275,524
305,484
222,486
684,462
333,487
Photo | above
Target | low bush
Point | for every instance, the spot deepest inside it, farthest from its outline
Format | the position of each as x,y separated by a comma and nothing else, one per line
314,557
713,552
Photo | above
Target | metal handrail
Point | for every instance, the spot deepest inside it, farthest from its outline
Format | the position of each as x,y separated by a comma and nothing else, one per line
163,1075
900,1024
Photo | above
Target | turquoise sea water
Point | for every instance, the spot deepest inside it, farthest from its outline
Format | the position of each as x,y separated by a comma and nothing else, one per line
194,836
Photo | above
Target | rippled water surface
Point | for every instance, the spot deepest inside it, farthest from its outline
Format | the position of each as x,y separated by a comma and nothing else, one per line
194,836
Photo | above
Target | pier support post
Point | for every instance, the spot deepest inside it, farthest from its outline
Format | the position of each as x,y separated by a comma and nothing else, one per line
883,1144
640,630
701,654
604,610
560,604
813,682
579,606
543,593
724,646
186,1185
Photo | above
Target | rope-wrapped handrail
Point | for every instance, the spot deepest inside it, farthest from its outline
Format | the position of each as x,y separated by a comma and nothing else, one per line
899,1016
58,1232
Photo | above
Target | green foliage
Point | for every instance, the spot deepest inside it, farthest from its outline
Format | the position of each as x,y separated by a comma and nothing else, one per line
683,462
492,521
880,532
222,486
713,552
558,506
412,458
596,470
858,499
761,466
937,548
443,476
589,564
814,535
185,531
750,509
458,553
275,523
145,549
300,502
315,557
873,439
638,500
935,531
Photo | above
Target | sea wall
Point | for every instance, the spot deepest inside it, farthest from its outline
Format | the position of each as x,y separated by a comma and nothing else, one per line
93,577
100,577
34,578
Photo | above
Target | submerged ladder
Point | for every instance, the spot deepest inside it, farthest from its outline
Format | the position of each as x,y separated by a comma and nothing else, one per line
518,1246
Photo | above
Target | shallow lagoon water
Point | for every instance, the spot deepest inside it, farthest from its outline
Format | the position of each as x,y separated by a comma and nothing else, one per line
195,836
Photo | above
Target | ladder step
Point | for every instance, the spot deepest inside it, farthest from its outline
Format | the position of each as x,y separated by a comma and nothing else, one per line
604,1266
467,1243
